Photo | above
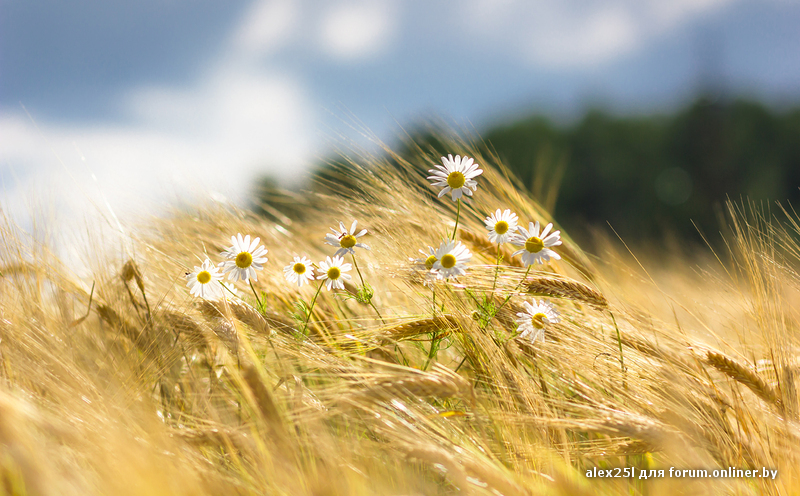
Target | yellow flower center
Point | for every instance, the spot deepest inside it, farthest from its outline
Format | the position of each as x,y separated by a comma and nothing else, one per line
334,273
204,277
244,260
456,179
534,245
299,268
347,241
449,261
501,227
538,320
429,262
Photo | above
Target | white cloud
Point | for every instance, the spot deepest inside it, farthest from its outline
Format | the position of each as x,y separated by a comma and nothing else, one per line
266,26
216,137
588,40
578,33
240,119
357,30
249,118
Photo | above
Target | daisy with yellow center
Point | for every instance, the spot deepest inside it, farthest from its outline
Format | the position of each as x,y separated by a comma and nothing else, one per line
502,226
346,240
456,175
451,259
243,258
203,282
536,316
426,263
332,272
299,271
536,247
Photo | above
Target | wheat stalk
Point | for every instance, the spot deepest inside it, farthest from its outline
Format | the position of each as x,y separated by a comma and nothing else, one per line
481,243
743,375
417,327
564,288
441,382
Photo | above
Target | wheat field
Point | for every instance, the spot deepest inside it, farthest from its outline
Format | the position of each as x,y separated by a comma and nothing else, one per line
123,383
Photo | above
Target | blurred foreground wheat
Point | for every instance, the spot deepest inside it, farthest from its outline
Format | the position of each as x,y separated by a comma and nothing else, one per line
122,383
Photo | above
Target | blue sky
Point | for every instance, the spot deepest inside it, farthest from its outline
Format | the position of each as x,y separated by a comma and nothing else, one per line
151,101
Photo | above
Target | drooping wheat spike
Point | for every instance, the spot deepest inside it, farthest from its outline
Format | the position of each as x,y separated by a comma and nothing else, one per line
465,471
481,243
417,327
258,321
652,433
565,288
112,318
441,382
130,271
743,375
185,325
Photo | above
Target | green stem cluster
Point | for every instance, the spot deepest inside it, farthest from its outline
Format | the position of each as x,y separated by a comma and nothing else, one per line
363,286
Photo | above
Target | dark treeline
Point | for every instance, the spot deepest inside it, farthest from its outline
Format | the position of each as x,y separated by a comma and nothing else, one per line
648,175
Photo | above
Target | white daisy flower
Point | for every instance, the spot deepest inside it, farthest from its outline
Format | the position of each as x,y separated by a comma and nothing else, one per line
456,175
204,281
427,260
333,272
502,226
536,247
346,241
244,257
451,259
426,263
536,316
299,271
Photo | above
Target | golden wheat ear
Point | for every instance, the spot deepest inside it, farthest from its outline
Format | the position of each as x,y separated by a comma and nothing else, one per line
566,288
743,375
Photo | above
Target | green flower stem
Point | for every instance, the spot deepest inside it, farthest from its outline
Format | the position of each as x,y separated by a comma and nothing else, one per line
357,269
363,285
254,293
226,288
460,364
311,308
515,289
507,297
458,213
496,270
434,349
433,292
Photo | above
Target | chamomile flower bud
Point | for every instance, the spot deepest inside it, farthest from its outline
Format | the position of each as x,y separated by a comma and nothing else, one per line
204,281
299,271
243,258
536,316
536,248
502,226
332,271
451,259
456,175
346,240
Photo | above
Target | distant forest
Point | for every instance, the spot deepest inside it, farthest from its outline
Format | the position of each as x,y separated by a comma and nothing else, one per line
654,174
651,175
